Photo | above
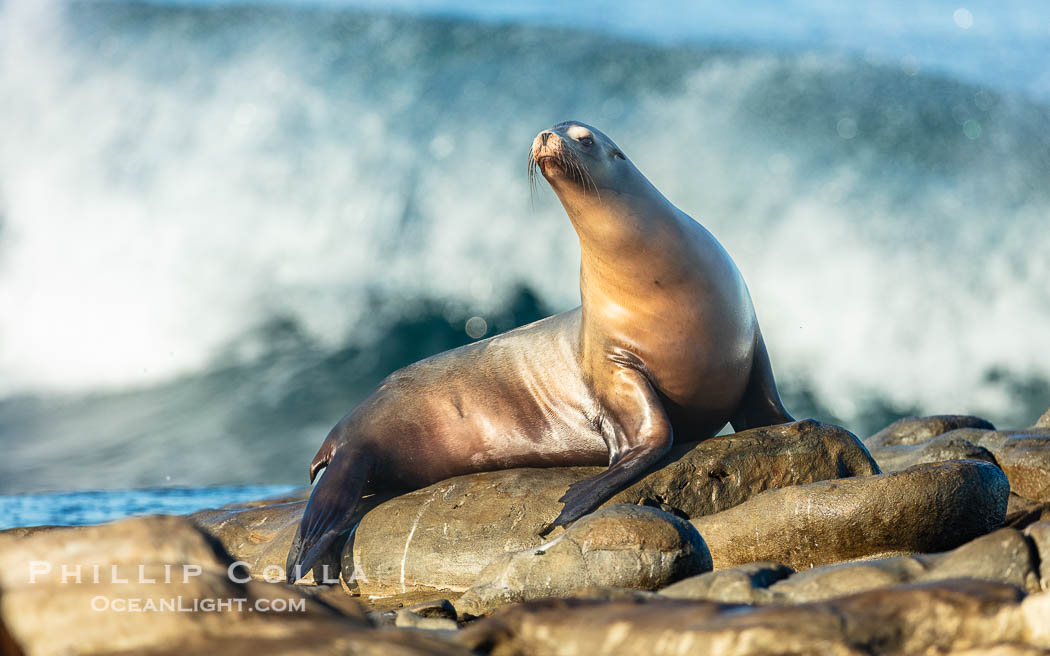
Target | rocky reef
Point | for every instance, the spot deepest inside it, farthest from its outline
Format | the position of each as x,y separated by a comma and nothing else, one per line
931,536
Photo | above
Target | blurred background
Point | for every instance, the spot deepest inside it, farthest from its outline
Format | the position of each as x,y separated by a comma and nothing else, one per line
222,223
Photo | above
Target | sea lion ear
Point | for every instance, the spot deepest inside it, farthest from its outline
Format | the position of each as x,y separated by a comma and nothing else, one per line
616,153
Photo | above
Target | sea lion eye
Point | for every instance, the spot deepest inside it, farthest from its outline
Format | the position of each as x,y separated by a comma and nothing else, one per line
587,141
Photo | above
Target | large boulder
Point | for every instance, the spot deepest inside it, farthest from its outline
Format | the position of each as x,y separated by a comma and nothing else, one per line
936,618
161,585
260,533
924,509
719,473
443,536
620,546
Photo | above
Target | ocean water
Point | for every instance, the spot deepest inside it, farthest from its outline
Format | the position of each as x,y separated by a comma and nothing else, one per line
83,507
222,223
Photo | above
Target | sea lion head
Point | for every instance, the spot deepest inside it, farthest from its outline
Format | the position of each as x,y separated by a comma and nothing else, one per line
575,157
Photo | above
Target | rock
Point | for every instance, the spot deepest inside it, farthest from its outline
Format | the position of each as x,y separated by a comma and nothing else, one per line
26,531
394,603
136,576
438,615
622,546
843,579
1044,421
1003,649
1021,512
725,471
913,430
442,536
915,619
8,647
612,593
1023,454
1025,457
937,449
1039,534
924,509
1003,556
441,608
408,620
747,584
1034,611
259,533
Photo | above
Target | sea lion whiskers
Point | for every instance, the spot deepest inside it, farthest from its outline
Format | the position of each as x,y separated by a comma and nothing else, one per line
570,163
533,166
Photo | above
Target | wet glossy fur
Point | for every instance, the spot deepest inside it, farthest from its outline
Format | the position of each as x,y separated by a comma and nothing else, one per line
665,346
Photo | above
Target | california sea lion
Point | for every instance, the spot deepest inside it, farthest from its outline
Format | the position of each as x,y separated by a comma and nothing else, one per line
665,343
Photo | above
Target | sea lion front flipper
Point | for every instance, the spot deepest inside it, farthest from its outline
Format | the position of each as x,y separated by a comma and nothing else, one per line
639,435
329,511
761,405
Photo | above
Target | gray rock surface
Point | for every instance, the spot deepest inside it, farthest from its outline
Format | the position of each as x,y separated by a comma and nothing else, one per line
924,509
621,546
937,618
442,536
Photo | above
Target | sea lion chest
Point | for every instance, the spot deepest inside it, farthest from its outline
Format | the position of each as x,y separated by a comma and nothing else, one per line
687,318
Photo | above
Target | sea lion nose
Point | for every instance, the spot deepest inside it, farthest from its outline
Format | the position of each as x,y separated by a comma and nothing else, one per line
544,137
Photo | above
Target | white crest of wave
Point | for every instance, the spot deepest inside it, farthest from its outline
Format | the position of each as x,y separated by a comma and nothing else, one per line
864,289
148,223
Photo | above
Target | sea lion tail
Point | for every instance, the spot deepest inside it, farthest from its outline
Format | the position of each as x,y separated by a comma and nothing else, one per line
329,511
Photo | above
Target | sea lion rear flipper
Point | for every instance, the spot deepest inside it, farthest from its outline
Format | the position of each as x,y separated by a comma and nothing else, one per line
761,405
329,511
642,435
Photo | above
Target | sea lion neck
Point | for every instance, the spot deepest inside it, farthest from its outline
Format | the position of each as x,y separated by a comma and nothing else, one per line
624,233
